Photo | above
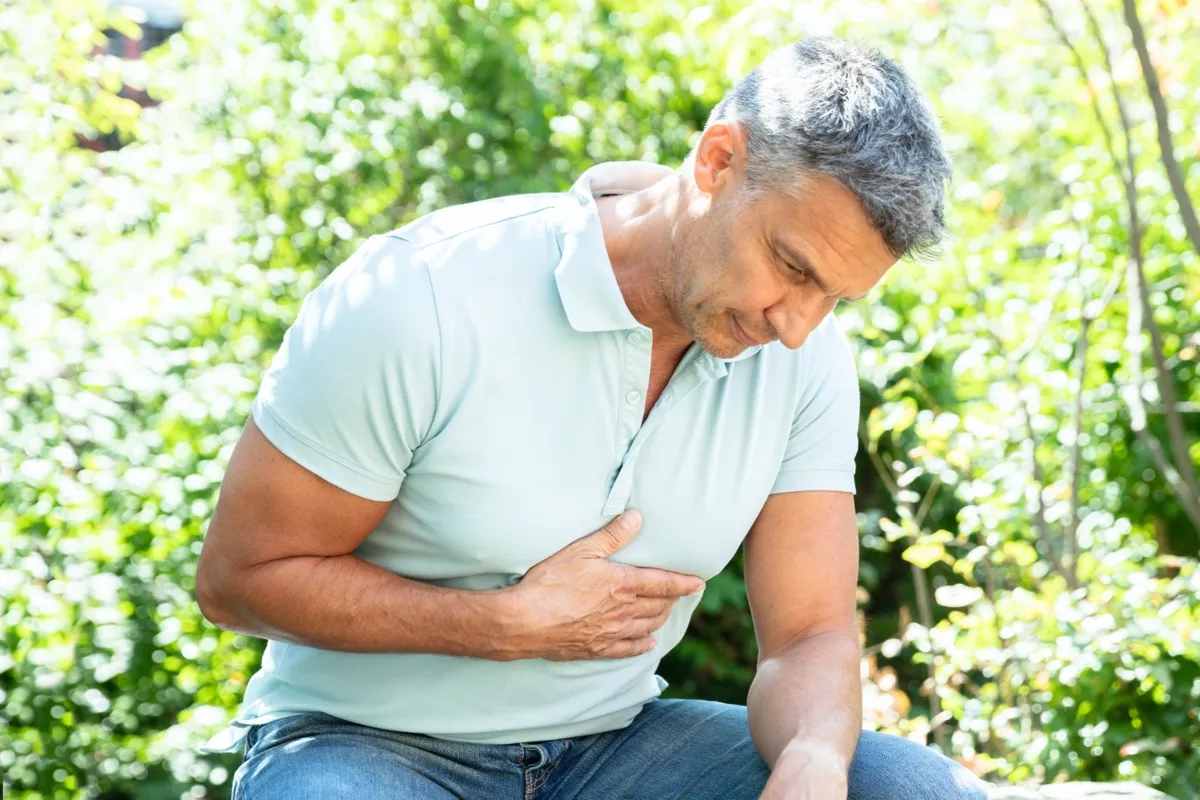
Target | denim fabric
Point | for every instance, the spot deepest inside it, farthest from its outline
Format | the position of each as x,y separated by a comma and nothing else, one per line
673,749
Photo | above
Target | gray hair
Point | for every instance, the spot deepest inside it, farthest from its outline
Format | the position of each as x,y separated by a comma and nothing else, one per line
824,106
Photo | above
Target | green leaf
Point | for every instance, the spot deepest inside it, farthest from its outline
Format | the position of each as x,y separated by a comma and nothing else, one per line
925,554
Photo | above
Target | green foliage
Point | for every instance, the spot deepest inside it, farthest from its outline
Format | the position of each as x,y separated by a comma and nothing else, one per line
142,292
1098,686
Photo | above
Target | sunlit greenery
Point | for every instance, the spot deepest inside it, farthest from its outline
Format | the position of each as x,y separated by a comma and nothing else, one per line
1032,608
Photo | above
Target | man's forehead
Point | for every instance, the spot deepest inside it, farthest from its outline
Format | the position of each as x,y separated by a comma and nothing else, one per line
819,196
825,228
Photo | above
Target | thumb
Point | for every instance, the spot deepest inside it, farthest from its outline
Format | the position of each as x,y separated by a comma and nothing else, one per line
615,535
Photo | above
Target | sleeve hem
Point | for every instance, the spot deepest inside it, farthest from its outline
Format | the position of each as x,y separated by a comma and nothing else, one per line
316,460
813,480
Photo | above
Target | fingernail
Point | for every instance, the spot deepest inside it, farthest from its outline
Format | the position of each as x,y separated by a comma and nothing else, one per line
630,519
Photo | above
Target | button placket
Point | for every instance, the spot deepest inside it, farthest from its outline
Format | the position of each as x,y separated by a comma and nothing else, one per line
694,371
635,377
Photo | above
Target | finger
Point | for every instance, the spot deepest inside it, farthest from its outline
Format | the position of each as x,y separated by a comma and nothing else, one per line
644,627
627,648
652,608
650,582
612,537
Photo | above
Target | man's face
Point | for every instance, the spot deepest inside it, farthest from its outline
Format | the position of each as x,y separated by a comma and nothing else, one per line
750,272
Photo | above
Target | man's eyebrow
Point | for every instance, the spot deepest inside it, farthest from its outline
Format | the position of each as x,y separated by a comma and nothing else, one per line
805,264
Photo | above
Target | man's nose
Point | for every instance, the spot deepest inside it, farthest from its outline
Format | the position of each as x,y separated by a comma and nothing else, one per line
794,318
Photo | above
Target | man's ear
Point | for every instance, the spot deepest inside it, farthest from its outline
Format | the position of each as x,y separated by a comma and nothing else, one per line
720,156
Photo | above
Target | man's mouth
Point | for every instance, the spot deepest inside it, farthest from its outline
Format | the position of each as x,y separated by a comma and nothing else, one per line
740,334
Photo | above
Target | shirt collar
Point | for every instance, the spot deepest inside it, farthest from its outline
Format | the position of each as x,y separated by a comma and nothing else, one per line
584,275
749,351
589,291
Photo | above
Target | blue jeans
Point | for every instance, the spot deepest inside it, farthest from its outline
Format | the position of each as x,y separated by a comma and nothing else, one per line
673,749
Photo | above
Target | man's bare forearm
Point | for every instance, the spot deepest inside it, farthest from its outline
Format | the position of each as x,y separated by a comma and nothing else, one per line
808,694
348,604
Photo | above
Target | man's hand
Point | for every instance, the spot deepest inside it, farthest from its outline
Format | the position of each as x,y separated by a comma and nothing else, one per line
577,604
807,771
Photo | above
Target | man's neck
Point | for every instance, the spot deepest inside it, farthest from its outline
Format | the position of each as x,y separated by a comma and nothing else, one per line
637,235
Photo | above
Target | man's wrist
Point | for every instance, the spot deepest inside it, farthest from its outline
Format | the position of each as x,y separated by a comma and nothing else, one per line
816,751
504,624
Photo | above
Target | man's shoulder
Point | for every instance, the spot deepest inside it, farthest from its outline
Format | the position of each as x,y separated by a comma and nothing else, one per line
491,218
823,366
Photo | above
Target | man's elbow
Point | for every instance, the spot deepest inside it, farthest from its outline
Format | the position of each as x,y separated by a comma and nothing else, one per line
214,597
836,639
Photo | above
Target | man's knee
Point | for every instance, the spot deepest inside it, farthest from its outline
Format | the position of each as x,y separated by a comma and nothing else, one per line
891,768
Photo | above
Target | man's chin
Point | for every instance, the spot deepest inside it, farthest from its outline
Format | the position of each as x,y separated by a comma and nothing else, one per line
714,335
721,348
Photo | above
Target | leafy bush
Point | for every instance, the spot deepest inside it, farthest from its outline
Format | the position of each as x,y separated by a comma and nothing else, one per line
1029,604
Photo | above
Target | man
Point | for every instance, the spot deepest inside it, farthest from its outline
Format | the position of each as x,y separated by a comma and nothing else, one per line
649,356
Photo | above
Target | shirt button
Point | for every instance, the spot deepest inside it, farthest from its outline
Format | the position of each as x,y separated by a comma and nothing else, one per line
632,397
636,337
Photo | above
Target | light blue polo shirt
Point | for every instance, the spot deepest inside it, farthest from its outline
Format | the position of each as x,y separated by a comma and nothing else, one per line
479,369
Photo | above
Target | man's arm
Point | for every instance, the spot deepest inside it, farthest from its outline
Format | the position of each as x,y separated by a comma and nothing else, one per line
278,562
801,564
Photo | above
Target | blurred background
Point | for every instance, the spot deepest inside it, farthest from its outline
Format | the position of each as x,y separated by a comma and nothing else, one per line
175,177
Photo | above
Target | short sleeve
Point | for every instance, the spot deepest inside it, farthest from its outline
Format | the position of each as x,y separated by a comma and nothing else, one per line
824,436
352,391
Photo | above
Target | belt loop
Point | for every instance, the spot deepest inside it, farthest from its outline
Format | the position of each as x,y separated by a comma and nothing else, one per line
543,756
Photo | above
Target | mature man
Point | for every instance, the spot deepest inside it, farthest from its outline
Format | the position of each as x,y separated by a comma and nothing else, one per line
406,517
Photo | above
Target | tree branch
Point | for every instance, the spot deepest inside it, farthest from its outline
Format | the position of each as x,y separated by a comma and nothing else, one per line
1109,144
1182,478
927,501
1071,557
1174,174
925,612
1039,510
1122,114
1089,313
881,468
1132,395
1188,491
920,581
1039,476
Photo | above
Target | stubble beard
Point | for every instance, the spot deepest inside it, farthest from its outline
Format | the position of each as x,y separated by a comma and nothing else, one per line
707,327
705,324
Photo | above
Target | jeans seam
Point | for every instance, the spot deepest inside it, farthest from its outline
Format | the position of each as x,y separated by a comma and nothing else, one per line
542,776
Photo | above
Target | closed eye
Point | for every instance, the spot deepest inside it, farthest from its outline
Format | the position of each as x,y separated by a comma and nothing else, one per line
793,261
799,272
802,274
